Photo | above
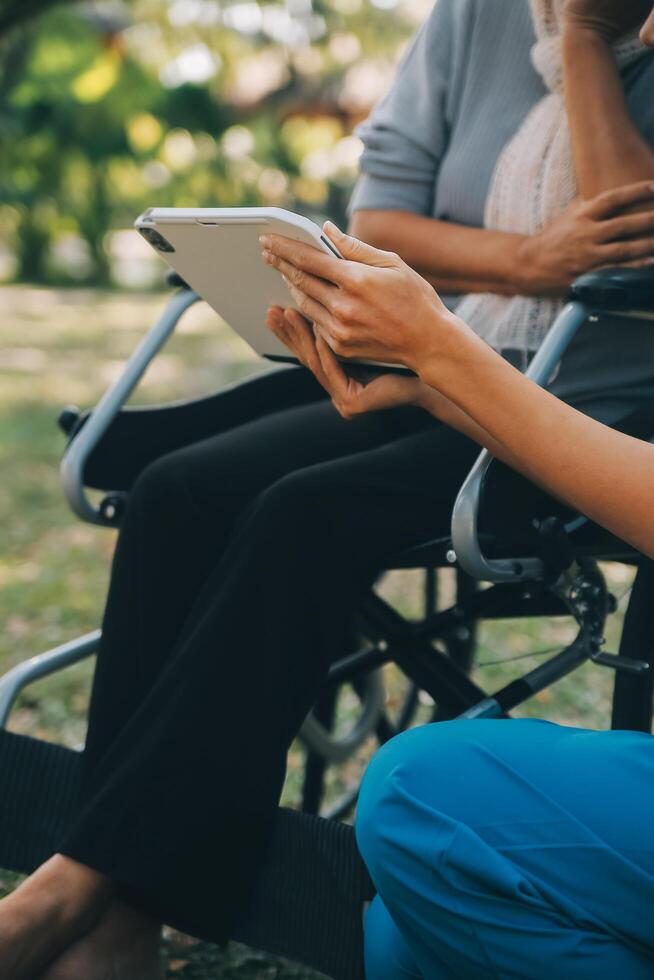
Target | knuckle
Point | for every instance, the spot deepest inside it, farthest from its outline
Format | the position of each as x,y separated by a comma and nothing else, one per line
355,276
343,334
344,308
348,273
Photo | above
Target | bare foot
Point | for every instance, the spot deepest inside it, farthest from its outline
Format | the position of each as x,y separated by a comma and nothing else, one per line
124,945
48,911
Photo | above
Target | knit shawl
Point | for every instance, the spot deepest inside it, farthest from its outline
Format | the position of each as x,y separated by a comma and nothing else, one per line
533,182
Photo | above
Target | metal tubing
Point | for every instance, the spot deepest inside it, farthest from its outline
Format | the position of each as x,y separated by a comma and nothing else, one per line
13,682
72,465
356,664
520,690
465,516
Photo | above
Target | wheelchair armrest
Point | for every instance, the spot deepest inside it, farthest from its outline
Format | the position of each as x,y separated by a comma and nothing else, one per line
88,436
627,290
616,289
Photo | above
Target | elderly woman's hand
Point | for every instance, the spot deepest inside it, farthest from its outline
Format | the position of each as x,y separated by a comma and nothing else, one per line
369,304
349,396
588,235
608,18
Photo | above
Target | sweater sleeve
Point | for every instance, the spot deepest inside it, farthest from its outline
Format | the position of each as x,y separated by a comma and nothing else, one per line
406,135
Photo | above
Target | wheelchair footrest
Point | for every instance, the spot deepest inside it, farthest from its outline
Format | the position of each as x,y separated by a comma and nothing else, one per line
624,664
39,787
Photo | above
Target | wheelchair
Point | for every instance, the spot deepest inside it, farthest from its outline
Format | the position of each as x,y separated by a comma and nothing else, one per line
541,560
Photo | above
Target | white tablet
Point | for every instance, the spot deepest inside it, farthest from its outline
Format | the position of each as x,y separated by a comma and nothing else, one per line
217,252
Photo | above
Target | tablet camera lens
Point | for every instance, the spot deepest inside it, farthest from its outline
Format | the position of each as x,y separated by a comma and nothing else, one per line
156,239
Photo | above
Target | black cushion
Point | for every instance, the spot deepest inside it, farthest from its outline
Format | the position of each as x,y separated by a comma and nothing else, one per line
616,289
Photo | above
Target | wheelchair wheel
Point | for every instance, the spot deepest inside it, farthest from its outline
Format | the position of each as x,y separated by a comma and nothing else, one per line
344,730
352,720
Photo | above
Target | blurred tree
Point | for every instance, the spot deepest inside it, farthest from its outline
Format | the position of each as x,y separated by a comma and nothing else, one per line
105,111
15,12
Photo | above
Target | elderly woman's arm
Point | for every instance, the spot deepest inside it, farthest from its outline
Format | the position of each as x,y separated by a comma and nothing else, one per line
608,148
373,306
405,140
589,234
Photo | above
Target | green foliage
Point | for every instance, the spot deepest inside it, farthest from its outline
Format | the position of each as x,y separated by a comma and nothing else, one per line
179,102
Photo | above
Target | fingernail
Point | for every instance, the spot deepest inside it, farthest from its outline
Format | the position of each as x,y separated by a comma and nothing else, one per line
329,226
267,257
265,240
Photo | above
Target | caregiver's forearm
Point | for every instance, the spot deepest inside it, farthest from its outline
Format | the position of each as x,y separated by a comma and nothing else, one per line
605,474
454,258
607,147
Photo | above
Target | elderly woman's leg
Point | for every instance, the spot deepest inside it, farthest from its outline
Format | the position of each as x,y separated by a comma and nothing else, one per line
514,849
180,800
180,805
307,904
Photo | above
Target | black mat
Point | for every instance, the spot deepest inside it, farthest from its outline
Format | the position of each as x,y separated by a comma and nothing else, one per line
39,784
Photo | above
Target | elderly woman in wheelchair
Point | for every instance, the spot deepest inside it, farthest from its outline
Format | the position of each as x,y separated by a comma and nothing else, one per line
495,868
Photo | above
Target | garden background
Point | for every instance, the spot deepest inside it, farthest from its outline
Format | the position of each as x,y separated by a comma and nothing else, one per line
108,108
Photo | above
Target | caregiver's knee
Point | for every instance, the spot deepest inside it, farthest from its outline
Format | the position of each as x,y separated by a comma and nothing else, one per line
382,806
424,765
387,954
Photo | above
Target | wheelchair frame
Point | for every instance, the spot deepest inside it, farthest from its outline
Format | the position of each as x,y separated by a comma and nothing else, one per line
435,653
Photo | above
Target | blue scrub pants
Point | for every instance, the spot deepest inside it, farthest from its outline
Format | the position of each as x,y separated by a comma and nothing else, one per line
510,849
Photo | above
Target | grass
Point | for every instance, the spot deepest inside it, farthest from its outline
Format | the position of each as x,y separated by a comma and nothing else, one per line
59,347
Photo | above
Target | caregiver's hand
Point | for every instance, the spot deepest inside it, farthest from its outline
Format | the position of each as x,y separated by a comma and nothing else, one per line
607,18
349,396
588,235
369,304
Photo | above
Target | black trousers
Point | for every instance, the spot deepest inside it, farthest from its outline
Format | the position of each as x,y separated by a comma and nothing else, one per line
237,569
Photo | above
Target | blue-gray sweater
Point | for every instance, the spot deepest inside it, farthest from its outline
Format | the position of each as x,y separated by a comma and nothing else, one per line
431,144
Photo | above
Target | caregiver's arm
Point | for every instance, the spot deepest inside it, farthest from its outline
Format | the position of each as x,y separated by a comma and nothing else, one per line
605,474
373,306
608,148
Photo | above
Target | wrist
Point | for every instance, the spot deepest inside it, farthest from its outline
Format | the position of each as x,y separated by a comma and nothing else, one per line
439,352
525,270
576,34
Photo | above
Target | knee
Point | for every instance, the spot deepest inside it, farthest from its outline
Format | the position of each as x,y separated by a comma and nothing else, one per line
291,516
387,954
158,491
380,810
412,771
